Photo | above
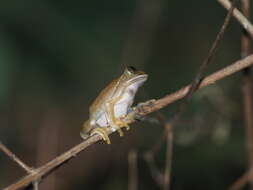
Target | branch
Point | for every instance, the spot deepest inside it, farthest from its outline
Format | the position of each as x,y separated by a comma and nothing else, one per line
211,53
143,109
169,154
241,182
247,92
13,157
239,17
229,70
247,105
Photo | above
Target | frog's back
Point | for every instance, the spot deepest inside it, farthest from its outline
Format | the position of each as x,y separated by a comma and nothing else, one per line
104,96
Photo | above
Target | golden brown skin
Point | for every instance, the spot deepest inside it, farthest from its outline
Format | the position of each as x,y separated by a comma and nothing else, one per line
111,106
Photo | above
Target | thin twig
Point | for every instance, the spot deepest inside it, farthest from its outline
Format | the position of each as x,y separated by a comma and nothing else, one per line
239,16
169,153
207,61
248,112
158,144
247,100
132,170
162,179
198,77
245,43
247,93
142,110
13,157
51,122
156,174
211,79
53,164
241,182
168,133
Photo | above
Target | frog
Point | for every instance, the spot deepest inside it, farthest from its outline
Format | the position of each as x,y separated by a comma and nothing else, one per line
109,110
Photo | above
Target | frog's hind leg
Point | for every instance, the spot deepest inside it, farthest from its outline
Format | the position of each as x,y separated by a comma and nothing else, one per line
103,133
113,121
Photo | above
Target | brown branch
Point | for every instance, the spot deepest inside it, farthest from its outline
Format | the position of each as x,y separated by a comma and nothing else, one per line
51,122
162,179
141,110
156,174
239,17
247,104
13,157
245,41
159,104
207,61
248,112
168,129
53,164
169,152
241,182
247,93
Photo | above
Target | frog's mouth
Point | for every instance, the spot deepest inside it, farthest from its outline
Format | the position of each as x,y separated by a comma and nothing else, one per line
138,79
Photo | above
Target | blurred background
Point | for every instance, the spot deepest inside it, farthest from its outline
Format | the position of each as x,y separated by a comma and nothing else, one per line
56,56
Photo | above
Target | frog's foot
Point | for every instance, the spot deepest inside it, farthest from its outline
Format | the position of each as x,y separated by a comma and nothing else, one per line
122,123
103,133
143,108
119,123
117,127
147,103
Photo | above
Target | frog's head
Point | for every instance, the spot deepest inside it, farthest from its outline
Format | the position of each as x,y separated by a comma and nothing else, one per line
131,75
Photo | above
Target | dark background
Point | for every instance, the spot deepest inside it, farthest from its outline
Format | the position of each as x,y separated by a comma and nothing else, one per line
56,56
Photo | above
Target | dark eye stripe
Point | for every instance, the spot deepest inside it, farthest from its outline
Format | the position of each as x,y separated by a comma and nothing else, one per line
131,69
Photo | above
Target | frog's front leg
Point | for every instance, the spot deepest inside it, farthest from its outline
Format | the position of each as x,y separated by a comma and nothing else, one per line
113,121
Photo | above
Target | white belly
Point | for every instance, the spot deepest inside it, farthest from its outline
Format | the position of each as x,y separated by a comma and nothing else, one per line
121,107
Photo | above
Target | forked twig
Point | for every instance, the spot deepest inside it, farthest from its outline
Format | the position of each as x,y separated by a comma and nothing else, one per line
158,104
14,158
168,129
156,174
207,61
239,17
247,105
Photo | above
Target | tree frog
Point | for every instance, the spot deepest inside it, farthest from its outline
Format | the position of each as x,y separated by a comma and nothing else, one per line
110,108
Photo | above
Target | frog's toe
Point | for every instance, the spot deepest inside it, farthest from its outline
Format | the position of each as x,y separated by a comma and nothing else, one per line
126,126
103,133
122,123
117,127
119,131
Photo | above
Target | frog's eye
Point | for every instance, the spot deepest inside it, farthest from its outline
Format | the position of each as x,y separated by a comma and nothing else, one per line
130,70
